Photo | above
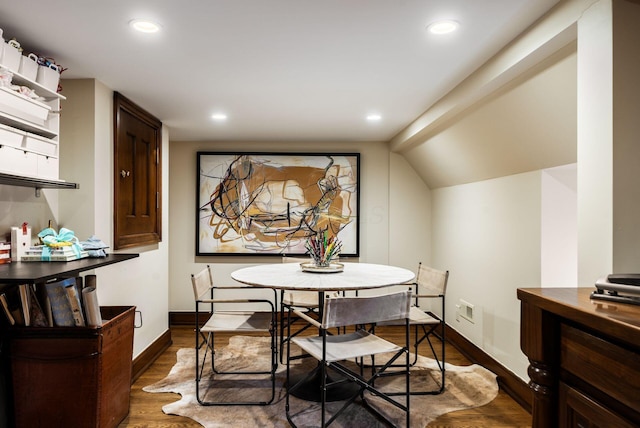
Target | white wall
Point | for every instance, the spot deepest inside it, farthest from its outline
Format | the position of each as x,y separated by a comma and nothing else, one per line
20,204
487,234
595,148
376,233
86,153
410,216
559,229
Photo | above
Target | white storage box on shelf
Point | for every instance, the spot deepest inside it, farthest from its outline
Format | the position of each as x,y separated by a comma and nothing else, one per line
11,137
42,145
18,161
22,107
11,56
29,66
48,76
29,128
48,167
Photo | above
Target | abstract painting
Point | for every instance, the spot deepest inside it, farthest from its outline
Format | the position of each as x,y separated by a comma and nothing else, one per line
271,203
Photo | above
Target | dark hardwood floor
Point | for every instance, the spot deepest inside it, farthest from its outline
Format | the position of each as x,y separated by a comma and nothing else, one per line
145,411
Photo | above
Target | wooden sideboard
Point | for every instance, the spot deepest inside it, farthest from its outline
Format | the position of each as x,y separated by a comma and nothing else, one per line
584,358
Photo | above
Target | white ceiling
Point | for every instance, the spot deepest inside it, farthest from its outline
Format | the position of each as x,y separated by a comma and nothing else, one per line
290,70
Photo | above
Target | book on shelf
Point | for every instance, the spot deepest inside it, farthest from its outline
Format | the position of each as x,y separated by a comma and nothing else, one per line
23,289
11,296
45,303
22,307
73,296
37,314
91,306
5,252
60,308
5,308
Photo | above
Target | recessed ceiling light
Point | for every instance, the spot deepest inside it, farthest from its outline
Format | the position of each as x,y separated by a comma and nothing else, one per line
219,116
145,25
443,27
374,117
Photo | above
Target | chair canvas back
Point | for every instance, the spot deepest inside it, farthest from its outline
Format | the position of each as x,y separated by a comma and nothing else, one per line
431,281
202,282
298,295
345,311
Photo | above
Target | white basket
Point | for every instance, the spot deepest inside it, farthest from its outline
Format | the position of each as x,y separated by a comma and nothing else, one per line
48,76
29,66
11,57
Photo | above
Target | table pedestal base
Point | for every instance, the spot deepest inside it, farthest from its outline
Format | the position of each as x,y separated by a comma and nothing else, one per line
311,389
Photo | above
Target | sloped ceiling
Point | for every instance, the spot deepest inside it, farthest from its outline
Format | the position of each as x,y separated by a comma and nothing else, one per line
529,124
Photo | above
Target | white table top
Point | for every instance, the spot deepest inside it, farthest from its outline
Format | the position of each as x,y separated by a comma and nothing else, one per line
355,276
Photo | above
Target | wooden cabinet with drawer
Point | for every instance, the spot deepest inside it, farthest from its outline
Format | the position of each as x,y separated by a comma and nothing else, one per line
584,358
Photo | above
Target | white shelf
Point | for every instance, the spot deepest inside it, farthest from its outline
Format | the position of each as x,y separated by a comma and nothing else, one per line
34,163
16,122
38,183
42,91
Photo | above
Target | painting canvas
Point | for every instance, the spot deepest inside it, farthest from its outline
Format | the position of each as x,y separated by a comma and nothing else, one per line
271,203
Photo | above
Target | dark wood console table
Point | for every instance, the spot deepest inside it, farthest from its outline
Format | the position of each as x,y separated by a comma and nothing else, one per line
584,358
36,272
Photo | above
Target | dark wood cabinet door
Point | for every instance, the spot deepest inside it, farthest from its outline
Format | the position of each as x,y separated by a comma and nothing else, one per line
579,411
137,176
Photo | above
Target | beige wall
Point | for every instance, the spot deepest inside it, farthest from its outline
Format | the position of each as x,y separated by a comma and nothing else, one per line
409,216
377,228
626,128
87,158
487,234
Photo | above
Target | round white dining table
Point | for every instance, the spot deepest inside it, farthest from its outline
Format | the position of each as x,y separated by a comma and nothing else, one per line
354,276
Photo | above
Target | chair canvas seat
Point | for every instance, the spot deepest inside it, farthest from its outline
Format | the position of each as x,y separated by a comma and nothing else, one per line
238,322
333,351
416,317
346,346
302,299
430,284
230,321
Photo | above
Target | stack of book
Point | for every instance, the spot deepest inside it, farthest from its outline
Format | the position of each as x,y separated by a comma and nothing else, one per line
5,252
57,254
63,303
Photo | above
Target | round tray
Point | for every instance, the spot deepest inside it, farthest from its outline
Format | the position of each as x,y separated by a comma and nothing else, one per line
332,268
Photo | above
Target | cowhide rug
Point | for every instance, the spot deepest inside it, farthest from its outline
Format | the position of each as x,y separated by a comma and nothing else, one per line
466,387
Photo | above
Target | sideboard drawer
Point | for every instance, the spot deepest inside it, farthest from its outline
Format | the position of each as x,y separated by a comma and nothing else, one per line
579,411
608,367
